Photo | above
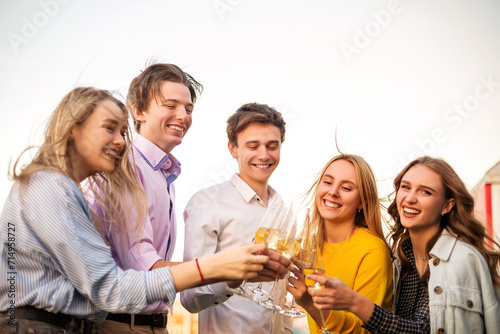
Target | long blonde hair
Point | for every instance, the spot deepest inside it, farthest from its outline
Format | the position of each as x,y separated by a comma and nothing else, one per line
57,154
369,217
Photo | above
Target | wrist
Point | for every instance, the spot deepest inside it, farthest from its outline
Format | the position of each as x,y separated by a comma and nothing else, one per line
199,270
361,306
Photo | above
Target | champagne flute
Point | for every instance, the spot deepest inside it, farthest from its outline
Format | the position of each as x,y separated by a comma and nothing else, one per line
313,264
263,232
292,249
279,243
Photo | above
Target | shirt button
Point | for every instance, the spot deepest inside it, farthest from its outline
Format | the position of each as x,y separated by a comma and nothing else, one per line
216,303
438,290
258,199
228,295
470,304
440,331
436,261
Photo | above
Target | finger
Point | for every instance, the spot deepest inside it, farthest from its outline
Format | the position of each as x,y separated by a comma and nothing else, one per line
277,267
260,259
316,278
296,271
257,248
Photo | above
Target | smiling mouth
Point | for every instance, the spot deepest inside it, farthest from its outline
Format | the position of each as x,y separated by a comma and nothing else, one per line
262,166
110,152
411,211
176,128
331,204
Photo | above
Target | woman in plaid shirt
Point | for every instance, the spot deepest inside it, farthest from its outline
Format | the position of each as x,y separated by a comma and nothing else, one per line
446,275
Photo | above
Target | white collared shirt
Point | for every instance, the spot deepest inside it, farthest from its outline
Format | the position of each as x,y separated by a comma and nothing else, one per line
221,217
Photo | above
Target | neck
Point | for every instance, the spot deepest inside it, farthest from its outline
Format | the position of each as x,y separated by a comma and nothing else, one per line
419,241
338,232
79,172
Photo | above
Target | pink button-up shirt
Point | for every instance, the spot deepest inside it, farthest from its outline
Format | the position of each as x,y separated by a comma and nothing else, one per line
156,171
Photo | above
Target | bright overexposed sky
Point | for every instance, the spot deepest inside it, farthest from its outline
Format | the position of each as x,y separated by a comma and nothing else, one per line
394,79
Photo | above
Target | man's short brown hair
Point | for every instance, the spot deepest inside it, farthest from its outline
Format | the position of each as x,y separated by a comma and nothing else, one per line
147,86
250,113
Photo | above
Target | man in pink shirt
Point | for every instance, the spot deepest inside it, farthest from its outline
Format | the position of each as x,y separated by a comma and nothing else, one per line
161,100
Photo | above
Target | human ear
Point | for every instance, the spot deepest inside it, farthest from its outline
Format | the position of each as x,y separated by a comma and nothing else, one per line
448,206
232,149
139,115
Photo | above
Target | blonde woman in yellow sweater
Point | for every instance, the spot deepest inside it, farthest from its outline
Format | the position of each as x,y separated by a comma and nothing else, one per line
346,217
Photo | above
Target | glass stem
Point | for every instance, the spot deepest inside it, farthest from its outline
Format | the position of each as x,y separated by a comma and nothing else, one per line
273,290
322,320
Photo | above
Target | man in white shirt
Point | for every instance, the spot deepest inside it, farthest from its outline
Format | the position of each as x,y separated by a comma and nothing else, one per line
227,215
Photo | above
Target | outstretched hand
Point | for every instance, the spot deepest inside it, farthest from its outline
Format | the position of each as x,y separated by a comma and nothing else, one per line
240,263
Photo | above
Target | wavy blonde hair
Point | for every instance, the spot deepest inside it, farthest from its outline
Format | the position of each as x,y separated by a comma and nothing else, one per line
56,154
369,217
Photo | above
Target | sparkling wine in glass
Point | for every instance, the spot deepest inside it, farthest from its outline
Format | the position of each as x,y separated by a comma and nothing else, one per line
280,242
313,264
265,229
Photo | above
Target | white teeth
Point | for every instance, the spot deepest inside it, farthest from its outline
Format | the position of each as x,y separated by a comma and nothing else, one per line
110,152
177,128
412,211
262,166
332,205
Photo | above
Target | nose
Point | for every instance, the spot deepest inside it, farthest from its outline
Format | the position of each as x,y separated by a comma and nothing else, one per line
263,154
410,197
182,114
334,190
119,140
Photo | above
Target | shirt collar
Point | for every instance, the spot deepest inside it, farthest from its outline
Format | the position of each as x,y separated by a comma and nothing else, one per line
155,156
247,192
444,246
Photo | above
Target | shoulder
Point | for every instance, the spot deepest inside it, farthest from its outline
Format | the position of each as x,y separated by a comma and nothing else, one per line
370,240
216,192
51,184
466,252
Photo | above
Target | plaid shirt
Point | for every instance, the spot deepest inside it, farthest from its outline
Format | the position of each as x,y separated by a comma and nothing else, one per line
412,313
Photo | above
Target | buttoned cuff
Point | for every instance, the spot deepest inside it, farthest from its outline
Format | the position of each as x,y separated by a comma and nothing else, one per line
220,292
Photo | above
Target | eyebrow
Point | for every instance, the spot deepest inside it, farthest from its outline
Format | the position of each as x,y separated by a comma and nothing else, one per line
175,101
420,186
257,142
114,122
343,181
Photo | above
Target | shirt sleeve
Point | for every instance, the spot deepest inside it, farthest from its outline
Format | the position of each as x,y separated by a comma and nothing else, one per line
63,224
383,321
374,281
202,218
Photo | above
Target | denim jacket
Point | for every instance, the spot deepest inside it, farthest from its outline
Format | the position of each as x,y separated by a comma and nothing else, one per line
462,295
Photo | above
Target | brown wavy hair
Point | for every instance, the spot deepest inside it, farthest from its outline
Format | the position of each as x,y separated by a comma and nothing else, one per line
108,189
369,217
460,220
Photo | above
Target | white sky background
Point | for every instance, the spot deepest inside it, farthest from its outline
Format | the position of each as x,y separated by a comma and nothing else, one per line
398,92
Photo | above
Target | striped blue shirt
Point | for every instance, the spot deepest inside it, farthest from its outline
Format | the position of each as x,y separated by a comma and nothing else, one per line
53,258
